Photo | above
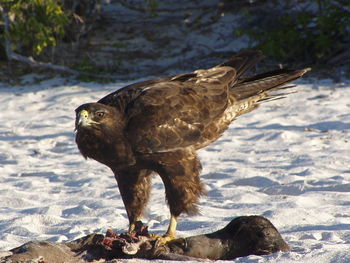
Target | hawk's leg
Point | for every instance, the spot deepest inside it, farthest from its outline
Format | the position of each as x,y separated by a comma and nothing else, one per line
171,232
183,188
134,187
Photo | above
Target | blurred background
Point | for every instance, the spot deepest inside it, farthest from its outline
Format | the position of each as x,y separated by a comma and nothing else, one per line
127,39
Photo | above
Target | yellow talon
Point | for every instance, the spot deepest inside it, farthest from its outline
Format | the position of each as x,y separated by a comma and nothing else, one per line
161,240
169,235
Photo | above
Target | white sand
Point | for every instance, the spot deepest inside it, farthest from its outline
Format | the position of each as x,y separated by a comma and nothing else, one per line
288,161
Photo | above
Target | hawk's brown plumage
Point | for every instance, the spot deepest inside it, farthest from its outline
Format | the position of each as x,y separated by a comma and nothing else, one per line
157,125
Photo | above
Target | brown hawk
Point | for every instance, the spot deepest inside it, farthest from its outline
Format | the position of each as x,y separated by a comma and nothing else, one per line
157,125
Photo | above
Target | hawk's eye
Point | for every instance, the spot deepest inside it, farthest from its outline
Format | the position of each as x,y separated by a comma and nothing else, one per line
100,114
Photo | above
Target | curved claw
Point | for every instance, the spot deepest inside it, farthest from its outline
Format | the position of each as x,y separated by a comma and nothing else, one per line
162,240
169,235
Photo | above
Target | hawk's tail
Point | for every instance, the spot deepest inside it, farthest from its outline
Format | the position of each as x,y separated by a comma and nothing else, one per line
265,83
249,92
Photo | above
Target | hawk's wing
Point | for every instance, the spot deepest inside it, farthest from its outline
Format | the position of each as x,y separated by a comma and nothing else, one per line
172,114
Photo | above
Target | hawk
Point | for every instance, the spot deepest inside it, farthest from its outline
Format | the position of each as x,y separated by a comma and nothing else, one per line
157,126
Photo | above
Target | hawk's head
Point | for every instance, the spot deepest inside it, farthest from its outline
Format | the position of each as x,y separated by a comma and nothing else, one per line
100,135
96,116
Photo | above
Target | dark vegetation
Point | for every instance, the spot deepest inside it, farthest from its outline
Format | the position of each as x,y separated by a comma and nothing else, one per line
64,32
36,27
314,31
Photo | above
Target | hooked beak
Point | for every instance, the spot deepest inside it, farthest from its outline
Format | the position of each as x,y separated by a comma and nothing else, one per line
83,120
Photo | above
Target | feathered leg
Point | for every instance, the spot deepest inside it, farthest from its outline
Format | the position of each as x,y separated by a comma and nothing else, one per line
183,188
134,187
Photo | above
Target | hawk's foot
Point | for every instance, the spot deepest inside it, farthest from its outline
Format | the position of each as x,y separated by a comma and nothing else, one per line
161,240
